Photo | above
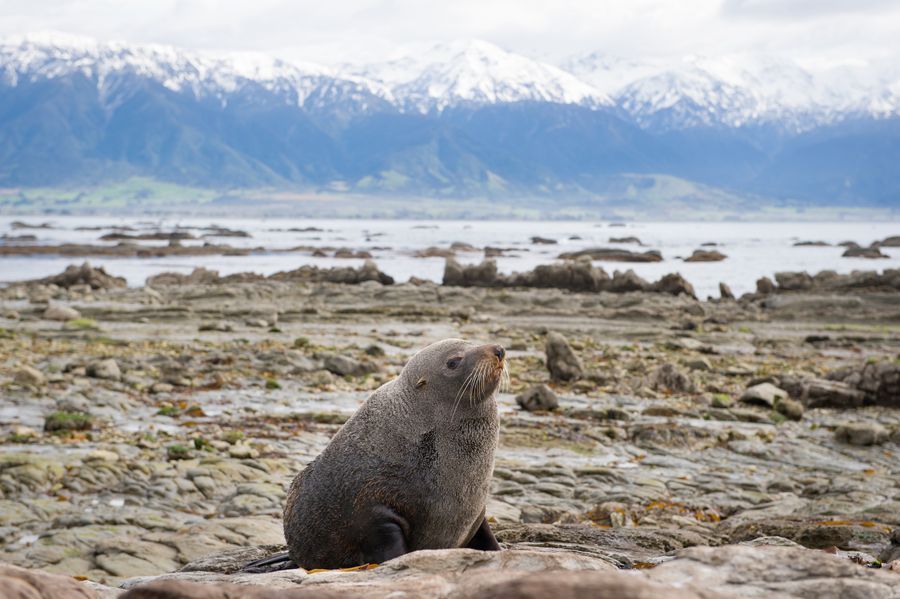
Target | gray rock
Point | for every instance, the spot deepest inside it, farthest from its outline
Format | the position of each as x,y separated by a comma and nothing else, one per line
667,378
765,286
562,362
346,366
61,313
764,394
105,369
725,292
868,433
32,377
789,408
538,397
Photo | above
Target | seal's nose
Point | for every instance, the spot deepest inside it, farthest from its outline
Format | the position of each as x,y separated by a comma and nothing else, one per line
499,352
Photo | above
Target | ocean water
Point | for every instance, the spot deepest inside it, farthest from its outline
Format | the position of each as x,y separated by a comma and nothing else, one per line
753,249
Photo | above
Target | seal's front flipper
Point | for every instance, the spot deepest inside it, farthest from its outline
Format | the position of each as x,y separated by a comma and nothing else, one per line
483,539
274,563
385,536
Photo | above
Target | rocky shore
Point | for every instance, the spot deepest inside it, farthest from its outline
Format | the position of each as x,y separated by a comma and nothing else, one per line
652,444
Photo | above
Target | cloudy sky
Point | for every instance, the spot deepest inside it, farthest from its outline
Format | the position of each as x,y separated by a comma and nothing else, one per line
333,31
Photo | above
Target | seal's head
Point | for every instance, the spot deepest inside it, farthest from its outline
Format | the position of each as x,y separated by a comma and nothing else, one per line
456,373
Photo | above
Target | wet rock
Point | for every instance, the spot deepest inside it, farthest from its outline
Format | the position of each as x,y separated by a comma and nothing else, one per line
811,244
198,276
793,281
19,583
562,362
869,252
789,408
890,242
765,286
105,369
543,241
725,292
220,326
867,433
574,275
481,275
348,253
26,375
819,393
95,278
536,398
345,275
630,239
772,571
674,284
346,366
706,256
668,379
61,313
613,255
435,252
764,394
628,281
699,364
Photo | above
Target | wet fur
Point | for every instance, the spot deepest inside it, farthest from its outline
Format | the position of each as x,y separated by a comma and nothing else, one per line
410,470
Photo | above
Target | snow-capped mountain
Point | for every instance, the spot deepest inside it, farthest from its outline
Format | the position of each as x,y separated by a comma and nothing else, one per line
453,119
203,75
476,72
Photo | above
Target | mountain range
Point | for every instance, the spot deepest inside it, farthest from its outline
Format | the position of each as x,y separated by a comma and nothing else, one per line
461,119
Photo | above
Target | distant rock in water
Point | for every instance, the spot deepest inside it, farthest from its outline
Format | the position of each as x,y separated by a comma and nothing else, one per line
155,236
811,244
869,252
725,292
543,241
706,256
828,281
308,274
625,240
348,253
96,278
574,275
613,255
890,242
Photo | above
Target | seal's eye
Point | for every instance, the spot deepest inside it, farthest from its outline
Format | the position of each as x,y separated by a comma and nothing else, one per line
452,363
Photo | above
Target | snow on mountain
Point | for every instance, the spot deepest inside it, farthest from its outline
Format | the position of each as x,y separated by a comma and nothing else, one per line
738,90
728,91
476,72
38,56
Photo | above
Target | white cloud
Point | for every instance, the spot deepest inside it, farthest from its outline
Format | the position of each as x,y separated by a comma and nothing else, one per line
365,30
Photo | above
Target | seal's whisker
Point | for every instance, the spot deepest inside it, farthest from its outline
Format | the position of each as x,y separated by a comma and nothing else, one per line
462,390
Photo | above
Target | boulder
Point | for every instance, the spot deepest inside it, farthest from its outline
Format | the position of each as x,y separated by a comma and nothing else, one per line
706,256
562,362
28,376
866,433
480,275
19,583
793,281
346,366
614,255
628,281
543,241
725,292
764,394
869,252
537,398
668,379
96,278
765,286
630,239
819,393
674,284
789,408
105,369
61,313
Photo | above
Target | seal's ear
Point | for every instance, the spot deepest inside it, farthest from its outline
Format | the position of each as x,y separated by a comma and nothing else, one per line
421,383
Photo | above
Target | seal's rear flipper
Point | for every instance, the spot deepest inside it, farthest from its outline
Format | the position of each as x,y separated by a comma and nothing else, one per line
274,563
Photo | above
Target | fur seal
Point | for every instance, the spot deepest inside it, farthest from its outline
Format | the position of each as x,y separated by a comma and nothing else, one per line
410,470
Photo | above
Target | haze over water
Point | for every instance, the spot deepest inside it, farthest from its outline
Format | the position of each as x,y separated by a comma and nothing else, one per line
753,249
